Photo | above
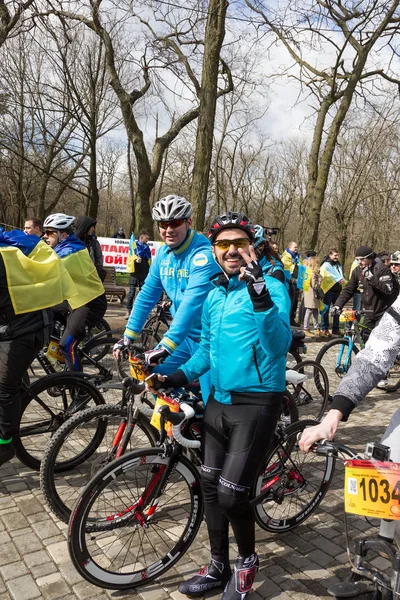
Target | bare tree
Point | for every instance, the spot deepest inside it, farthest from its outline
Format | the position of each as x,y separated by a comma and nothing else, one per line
10,16
351,32
174,42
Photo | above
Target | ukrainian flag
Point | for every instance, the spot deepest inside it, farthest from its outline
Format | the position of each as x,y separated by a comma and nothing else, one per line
36,278
304,278
330,276
130,261
75,257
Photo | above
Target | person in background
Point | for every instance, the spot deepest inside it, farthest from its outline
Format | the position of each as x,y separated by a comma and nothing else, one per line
32,279
137,265
291,261
90,304
311,300
85,231
332,282
378,286
275,247
384,256
119,234
395,264
33,226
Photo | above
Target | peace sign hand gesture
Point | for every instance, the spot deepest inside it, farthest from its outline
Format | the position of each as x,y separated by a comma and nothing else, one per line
253,275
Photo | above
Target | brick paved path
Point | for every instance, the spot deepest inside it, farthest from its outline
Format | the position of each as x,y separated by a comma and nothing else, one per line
301,564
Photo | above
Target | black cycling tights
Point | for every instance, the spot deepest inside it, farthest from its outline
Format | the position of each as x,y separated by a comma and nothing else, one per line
235,440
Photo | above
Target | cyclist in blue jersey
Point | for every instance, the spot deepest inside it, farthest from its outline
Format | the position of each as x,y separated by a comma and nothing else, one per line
269,259
244,339
182,268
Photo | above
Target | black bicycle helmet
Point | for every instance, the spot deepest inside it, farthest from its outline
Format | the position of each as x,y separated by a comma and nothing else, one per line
231,220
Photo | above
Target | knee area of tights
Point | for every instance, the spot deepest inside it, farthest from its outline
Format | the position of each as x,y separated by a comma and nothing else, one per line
232,502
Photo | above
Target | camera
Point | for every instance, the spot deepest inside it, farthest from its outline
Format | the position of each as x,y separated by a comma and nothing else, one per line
377,451
270,231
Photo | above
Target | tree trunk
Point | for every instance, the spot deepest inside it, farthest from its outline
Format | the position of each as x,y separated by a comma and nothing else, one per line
215,32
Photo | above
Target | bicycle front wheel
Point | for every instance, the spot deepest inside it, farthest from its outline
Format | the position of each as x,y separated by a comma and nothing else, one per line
81,447
47,403
336,358
291,483
120,534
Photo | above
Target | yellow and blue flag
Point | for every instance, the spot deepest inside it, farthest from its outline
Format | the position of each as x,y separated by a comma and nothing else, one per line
36,278
130,261
330,276
75,256
304,278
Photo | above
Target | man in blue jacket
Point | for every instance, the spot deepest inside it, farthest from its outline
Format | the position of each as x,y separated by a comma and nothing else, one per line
182,268
244,340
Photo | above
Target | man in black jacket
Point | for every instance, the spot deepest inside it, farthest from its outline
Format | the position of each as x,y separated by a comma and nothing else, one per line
85,231
377,284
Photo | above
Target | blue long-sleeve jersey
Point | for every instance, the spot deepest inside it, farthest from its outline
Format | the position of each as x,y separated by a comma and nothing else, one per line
184,274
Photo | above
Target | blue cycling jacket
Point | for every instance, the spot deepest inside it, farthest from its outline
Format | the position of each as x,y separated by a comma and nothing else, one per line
245,350
184,274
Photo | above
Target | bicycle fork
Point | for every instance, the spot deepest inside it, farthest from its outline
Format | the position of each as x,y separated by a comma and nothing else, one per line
361,550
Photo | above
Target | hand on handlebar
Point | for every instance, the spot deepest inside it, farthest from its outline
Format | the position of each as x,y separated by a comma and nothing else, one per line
155,382
323,431
156,356
335,310
124,342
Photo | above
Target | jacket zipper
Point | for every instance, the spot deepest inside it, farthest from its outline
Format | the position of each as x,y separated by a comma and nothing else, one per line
256,363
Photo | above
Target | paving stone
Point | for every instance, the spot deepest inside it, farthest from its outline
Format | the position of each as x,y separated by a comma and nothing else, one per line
23,587
4,537
53,587
69,573
319,557
30,506
27,543
43,570
45,529
15,569
59,552
84,590
36,558
152,592
8,554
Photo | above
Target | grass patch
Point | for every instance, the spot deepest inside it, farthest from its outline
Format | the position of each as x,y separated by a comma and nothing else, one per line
122,278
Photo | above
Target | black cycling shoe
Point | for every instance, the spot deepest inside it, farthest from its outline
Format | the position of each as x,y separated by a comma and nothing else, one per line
216,574
7,452
242,579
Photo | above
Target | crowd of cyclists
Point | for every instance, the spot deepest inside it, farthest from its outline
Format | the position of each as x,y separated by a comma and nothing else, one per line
233,301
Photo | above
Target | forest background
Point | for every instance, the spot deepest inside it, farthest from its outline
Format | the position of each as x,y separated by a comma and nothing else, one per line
287,110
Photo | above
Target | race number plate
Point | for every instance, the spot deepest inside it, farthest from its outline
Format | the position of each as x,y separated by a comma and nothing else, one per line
155,418
372,489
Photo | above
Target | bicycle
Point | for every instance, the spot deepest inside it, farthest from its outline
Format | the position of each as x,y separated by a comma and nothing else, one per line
337,355
311,395
98,435
139,515
46,404
372,490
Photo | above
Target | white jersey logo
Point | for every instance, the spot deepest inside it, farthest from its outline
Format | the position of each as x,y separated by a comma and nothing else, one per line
200,260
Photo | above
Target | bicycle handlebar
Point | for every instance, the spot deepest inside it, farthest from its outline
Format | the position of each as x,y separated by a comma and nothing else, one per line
177,419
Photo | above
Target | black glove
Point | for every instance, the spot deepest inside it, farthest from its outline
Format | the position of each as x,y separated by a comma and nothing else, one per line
156,356
125,342
335,310
175,380
367,272
256,287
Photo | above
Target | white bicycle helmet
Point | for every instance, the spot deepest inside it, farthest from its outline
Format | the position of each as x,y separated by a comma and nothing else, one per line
395,258
58,221
172,207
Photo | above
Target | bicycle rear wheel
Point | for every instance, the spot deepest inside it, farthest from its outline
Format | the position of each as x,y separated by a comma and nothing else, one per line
336,358
81,447
120,536
47,403
97,364
311,396
100,327
151,333
291,483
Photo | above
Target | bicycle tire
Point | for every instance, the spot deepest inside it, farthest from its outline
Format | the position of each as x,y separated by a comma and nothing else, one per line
293,357
149,337
311,397
291,483
86,441
56,392
107,361
336,366
118,487
100,326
